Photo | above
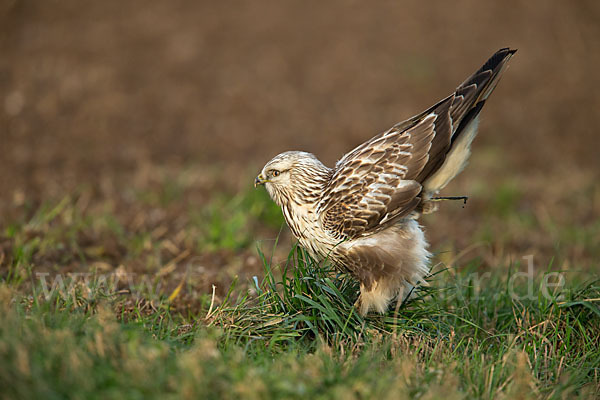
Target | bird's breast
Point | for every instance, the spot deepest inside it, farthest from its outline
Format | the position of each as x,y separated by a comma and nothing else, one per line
304,223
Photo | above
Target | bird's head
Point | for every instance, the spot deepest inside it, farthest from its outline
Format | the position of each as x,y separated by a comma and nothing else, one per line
292,174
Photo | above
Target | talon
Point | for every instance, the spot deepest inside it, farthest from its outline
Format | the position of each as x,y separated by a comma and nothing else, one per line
463,198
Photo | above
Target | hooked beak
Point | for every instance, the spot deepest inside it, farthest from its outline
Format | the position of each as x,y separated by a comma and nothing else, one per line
260,180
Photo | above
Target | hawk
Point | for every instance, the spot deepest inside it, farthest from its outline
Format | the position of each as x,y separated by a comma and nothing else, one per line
362,214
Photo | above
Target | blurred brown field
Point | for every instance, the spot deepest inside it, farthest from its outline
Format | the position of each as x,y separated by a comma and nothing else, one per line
109,96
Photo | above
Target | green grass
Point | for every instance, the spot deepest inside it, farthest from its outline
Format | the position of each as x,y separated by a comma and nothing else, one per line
292,331
296,335
226,221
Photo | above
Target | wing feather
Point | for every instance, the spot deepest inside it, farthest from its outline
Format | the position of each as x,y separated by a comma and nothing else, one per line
381,180
373,185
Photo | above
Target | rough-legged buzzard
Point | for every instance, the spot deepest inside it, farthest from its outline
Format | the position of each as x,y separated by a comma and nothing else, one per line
362,214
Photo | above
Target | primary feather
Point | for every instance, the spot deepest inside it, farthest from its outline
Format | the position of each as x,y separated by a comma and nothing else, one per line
363,213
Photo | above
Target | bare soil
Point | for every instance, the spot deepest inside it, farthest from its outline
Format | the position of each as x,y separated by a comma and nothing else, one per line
101,97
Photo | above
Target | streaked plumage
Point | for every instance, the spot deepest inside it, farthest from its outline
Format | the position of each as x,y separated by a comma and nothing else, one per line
362,214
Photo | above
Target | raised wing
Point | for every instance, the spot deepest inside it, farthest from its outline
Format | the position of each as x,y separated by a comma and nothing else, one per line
375,184
467,102
381,180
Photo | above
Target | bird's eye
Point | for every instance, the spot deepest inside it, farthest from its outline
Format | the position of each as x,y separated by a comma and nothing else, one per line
275,173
